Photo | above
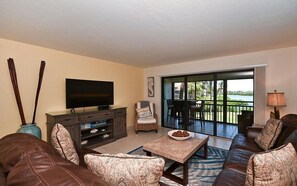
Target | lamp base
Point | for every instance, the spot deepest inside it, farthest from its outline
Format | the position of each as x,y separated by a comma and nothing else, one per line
274,114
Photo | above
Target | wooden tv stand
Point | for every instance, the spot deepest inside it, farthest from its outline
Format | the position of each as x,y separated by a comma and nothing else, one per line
91,128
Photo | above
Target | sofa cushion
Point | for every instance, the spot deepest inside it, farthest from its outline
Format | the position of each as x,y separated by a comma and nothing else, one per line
229,177
61,140
237,159
242,142
289,125
124,169
15,146
269,134
44,169
275,167
148,120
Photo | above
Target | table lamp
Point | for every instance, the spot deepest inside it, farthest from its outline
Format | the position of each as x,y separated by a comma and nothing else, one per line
276,99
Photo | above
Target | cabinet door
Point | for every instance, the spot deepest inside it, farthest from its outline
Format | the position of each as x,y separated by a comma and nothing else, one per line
120,127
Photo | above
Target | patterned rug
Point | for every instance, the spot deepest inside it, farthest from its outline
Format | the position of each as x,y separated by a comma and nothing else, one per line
202,172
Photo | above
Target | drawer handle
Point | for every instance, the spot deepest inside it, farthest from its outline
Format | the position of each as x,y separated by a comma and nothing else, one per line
107,114
90,116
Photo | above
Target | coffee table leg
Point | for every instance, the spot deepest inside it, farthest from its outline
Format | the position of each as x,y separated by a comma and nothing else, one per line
205,150
185,173
185,177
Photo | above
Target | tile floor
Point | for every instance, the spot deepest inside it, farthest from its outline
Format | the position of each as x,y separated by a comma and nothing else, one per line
134,140
206,127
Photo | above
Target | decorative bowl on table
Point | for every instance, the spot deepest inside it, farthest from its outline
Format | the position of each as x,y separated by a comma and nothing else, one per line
180,135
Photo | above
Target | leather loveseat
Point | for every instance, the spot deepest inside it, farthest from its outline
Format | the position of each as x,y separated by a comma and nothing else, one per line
244,146
27,160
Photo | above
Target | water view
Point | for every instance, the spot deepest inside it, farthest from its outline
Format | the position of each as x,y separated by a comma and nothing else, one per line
241,97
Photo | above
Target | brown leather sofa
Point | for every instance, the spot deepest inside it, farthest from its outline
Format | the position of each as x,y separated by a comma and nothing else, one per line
244,146
27,160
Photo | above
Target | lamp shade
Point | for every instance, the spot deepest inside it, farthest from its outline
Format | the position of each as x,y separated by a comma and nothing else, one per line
276,99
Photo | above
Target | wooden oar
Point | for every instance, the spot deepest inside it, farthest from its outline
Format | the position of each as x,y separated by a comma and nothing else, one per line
14,81
42,66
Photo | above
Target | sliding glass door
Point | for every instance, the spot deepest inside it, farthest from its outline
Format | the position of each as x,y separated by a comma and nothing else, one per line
201,98
174,102
234,95
206,103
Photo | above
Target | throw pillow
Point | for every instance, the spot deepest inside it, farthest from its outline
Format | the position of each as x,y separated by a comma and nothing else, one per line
275,167
124,169
144,112
61,140
269,134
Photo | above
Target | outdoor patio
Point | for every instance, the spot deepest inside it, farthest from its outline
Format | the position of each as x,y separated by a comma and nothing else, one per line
226,116
223,130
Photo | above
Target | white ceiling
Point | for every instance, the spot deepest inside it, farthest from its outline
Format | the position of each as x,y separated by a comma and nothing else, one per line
149,33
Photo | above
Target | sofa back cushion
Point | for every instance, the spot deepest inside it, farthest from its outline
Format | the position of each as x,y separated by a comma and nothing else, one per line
292,138
15,146
143,104
269,134
289,126
275,167
45,169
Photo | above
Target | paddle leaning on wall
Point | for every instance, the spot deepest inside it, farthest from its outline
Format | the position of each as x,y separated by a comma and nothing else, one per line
30,128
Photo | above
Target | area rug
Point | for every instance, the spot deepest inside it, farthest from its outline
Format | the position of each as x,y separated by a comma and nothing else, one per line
202,172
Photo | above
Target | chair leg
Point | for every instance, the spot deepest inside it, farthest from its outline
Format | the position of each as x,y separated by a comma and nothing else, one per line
201,119
167,114
191,118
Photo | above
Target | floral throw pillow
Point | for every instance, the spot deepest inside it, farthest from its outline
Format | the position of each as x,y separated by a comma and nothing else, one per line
144,112
269,134
61,140
275,167
124,169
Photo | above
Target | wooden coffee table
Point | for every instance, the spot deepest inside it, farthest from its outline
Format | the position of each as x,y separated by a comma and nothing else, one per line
178,151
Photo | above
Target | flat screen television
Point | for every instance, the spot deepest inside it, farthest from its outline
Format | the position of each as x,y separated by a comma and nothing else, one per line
86,93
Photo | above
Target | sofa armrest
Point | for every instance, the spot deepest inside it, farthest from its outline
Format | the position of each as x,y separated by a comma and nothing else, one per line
82,152
2,177
253,132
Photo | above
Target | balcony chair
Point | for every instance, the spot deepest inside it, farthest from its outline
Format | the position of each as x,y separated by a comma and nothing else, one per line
170,108
146,118
178,109
198,107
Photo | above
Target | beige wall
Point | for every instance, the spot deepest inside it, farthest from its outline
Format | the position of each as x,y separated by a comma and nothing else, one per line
280,73
128,82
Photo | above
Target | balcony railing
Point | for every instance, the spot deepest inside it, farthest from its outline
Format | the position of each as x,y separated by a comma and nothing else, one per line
233,108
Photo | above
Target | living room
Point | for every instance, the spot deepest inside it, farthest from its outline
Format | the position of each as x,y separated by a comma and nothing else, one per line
278,57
